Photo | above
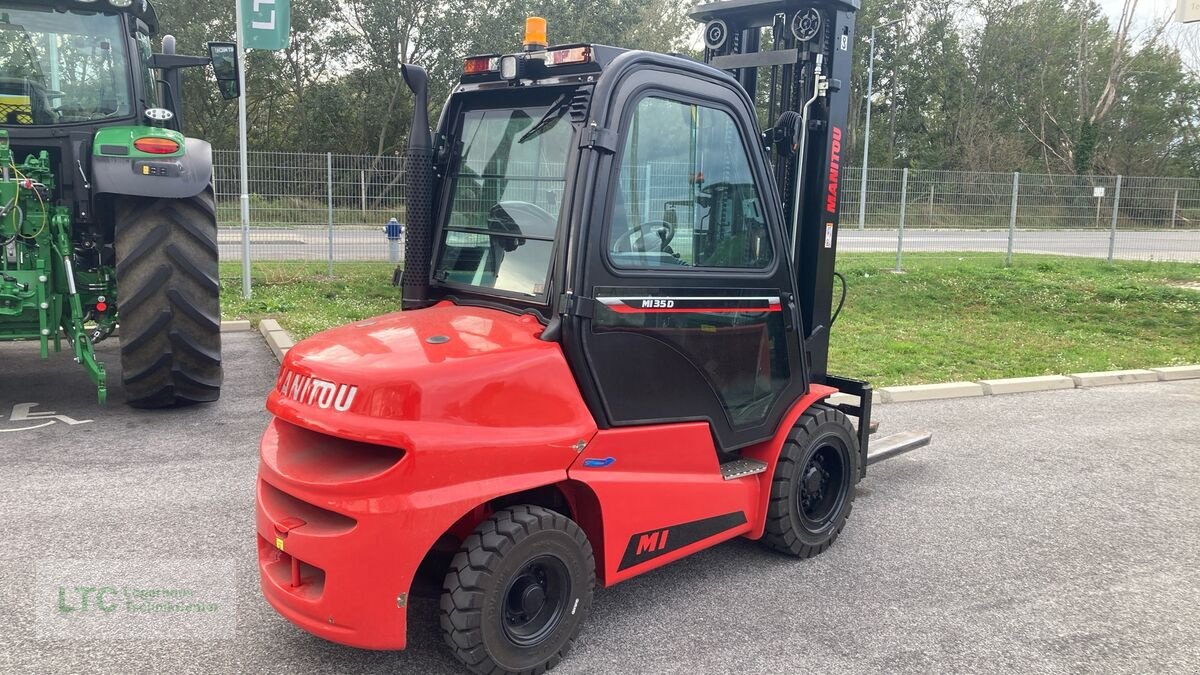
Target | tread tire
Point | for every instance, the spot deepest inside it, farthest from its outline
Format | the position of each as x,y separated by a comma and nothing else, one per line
472,594
169,300
784,530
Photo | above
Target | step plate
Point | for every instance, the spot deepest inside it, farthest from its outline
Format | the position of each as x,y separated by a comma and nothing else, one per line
739,468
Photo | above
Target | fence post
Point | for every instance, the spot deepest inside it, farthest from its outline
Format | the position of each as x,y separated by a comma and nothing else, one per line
862,198
1174,207
329,189
930,205
363,179
244,216
900,232
1112,233
1012,217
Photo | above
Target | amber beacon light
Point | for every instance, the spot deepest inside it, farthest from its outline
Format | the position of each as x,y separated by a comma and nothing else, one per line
535,33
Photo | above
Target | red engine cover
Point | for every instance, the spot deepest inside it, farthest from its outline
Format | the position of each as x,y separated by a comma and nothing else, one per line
398,379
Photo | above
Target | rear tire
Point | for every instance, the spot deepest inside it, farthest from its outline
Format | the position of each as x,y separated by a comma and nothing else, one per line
168,300
518,591
813,489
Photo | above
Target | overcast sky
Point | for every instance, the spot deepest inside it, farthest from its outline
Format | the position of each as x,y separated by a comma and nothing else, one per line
1146,9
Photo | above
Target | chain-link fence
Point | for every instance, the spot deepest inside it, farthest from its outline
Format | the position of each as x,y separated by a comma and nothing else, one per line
1111,217
335,208
312,207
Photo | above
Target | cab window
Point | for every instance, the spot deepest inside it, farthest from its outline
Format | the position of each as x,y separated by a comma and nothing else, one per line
149,85
685,194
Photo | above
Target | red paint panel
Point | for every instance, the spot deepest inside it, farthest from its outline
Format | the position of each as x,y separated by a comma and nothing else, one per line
489,411
661,476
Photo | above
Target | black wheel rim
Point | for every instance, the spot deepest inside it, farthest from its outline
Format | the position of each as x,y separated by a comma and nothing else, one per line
535,600
821,486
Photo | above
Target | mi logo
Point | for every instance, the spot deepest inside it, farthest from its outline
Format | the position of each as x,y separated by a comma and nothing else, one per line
646,546
652,542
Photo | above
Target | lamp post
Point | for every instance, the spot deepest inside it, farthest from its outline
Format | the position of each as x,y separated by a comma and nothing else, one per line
862,190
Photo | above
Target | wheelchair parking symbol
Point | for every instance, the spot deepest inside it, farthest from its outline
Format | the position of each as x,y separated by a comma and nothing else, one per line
23,413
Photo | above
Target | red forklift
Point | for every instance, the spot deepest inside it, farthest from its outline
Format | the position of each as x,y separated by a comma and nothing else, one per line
613,347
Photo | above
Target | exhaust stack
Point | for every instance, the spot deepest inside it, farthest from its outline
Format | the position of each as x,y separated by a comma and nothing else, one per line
418,192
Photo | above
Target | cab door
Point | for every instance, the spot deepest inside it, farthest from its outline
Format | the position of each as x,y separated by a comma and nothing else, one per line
686,268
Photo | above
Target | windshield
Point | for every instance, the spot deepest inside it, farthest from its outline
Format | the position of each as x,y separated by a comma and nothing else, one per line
506,192
59,67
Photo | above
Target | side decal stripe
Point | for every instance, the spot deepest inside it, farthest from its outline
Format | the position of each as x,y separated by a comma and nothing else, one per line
645,546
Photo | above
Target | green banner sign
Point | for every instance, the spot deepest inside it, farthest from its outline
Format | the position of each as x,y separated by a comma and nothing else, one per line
266,24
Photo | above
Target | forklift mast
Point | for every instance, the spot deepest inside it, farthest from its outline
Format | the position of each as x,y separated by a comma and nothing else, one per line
804,64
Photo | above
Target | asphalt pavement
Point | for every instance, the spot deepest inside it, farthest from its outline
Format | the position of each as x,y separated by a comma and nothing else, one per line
1051,532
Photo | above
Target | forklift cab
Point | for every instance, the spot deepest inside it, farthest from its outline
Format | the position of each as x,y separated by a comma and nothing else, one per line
621,197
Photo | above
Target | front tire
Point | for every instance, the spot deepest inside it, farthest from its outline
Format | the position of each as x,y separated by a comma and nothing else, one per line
813,488
518,591
168,300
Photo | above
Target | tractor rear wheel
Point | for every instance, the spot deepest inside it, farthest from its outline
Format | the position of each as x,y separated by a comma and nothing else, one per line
168,300
518,591
812,491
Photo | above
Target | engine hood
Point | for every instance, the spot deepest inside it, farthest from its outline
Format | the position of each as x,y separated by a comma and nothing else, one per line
426,375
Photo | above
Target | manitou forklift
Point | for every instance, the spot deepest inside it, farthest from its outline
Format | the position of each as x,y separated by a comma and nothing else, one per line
617,305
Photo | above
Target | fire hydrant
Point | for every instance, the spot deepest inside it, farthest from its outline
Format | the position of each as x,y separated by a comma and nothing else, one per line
395,235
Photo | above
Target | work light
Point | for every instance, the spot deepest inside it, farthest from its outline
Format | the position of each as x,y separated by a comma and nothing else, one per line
509,67
120,3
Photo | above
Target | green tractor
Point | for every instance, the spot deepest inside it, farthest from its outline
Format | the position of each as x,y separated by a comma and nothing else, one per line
107,212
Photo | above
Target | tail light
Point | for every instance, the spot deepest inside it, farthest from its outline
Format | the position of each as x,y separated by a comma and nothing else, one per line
568,56
155,145
477,65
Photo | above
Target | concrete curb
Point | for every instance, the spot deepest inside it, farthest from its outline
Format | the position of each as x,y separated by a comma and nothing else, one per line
931,392
1020,385
237,326
278,339
1178,373
1113,377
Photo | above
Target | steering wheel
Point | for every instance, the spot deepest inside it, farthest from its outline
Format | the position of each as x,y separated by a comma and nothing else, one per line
636,238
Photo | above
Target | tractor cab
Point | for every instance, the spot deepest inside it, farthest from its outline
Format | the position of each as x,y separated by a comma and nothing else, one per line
80,79
62,67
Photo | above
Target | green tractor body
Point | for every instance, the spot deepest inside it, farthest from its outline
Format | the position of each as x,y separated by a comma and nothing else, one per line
107,214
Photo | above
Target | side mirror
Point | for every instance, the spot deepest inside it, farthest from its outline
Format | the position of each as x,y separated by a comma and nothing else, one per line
225,66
